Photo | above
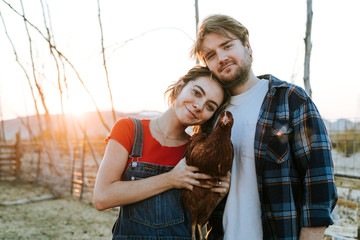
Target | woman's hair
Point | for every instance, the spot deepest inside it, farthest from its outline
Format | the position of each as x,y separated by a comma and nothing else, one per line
222,25
193,74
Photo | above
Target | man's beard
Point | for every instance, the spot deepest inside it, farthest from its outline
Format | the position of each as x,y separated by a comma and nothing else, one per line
239,79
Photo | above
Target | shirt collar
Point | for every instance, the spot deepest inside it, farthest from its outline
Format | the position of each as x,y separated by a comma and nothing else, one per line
274,83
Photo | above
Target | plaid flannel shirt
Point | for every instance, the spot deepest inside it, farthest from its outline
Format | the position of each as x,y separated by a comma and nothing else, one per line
293,163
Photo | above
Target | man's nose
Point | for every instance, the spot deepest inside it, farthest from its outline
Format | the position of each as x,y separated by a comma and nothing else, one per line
222,56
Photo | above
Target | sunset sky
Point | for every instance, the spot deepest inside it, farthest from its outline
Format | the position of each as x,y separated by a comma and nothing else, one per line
161,33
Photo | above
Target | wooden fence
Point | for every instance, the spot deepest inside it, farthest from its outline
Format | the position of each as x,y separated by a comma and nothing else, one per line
83,175
10,159
29,162
346,215
67,173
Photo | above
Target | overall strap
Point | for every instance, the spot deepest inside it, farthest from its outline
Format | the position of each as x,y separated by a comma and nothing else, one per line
136,150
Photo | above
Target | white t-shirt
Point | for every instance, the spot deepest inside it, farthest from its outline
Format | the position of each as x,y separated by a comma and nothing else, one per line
242,215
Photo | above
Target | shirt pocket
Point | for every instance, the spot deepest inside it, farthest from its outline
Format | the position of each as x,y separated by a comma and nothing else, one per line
161,210
278,149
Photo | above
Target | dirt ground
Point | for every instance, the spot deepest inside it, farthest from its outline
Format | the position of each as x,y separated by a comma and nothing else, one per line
65,218
70,218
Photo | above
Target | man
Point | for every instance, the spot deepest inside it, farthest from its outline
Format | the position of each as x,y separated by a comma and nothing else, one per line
282,181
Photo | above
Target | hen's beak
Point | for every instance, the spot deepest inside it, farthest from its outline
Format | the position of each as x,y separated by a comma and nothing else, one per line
225,119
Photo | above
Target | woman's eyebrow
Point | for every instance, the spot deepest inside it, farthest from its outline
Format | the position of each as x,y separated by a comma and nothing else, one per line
200,88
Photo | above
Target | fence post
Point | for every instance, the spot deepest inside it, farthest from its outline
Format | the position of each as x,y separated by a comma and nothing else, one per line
83,168
38,150
18,154
72,170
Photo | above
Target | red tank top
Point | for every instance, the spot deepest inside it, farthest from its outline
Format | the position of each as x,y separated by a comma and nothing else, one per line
153,152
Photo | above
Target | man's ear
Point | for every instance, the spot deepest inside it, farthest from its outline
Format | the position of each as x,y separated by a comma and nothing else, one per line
249,49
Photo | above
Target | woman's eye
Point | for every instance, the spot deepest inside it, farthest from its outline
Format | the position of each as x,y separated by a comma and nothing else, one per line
196,92
210,108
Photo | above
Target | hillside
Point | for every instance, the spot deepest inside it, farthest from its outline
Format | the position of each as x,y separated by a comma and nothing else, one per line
94,128
89,121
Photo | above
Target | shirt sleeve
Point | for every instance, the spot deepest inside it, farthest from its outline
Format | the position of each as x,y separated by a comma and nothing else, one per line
123,132
312,151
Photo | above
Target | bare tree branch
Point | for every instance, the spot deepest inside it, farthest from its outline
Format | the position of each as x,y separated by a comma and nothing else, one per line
32,93
52,142
104,62
67,60
118,46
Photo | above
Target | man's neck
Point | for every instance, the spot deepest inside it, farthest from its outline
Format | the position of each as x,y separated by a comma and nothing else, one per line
252,80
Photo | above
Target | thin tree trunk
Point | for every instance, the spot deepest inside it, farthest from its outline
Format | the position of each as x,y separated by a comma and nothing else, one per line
104,63
65,134
32,94
196,22
2,127
52,142
308,47
61,56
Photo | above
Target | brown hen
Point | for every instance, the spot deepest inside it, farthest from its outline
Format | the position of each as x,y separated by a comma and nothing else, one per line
213,155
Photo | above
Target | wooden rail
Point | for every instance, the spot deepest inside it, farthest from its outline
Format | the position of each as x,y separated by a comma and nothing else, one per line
349,231
10,159
347,182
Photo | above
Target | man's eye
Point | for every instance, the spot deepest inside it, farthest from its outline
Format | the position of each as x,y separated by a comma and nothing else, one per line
210,56
227,46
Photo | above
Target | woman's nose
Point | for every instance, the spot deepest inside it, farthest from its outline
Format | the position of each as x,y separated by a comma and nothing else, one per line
197,106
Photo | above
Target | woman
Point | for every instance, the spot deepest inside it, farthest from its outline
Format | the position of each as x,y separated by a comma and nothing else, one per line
151,205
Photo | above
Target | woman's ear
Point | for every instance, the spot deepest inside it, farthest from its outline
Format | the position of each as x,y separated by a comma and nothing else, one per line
178,87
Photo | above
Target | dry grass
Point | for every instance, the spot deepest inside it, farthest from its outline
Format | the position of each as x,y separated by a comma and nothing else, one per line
65,218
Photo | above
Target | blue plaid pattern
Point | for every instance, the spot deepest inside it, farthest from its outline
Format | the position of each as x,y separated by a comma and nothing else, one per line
293,163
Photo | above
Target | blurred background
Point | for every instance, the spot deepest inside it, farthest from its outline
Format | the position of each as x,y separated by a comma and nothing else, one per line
71,68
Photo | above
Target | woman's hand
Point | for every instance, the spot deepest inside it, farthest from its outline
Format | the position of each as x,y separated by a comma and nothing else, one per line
222,185
184,176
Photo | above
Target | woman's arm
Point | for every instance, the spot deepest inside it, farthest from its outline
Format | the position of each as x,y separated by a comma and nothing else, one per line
110,191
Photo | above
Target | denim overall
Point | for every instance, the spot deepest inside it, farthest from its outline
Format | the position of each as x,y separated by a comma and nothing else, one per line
159,217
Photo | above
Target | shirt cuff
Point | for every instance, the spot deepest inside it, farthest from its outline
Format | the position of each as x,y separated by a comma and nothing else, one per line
314,215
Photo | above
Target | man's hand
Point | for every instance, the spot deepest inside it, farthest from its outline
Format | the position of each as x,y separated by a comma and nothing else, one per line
312,233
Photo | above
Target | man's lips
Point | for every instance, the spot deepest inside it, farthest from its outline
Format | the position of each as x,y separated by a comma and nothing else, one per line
225,67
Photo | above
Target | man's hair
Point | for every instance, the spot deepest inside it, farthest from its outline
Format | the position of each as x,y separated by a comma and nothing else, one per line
219,24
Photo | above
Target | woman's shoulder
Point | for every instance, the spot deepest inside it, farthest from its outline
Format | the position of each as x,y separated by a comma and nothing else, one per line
125,127
122,132
123,124
127,122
